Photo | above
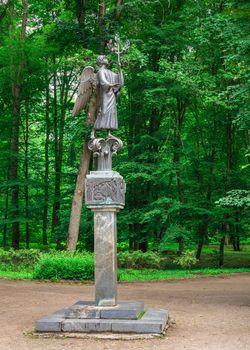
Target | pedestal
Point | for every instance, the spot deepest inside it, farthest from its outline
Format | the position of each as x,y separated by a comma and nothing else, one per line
105,196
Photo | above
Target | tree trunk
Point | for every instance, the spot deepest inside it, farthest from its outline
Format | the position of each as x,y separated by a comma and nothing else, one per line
238,243
227,187
181,107
46,171
81,17
117,12
26,175
5,218
56,202
101,20
221,251
59,138
143,246
234,243
16,76
203,226
76,207
199,248
181,245
237,230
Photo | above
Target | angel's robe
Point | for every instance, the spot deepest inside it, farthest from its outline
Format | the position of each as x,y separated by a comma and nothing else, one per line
107,112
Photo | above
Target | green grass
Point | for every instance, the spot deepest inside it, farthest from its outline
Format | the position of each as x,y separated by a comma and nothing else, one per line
16,275
209,257
131,275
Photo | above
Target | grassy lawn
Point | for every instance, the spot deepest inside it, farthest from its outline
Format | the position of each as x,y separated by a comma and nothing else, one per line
209,257
131,275
16,275
54,266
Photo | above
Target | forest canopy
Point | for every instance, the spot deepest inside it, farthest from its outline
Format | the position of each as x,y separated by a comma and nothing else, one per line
183,117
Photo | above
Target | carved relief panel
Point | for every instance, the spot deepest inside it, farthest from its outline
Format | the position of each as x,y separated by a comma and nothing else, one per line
104,190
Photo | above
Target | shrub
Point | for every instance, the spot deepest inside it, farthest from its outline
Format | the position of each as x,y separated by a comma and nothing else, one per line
18,259
65,266
186,260
138,260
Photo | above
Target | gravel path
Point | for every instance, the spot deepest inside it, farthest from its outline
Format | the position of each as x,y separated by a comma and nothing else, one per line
206,313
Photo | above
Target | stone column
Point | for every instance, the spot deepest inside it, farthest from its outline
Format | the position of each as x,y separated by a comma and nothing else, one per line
105,256
105,196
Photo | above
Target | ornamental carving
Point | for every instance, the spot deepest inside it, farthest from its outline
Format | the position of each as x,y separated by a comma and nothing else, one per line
105,191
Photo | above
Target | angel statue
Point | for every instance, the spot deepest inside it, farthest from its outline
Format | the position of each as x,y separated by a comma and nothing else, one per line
100,90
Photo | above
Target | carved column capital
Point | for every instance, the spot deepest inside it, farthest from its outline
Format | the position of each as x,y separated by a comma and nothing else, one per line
104,150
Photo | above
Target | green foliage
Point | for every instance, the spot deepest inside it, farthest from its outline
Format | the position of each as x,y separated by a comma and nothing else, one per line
183,117
19,259
65,266
173,233
138,260
235,198
186,260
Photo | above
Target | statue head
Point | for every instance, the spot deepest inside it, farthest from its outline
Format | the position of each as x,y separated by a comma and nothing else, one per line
102,60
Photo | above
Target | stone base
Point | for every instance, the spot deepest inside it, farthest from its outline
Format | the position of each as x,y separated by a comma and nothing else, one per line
85,317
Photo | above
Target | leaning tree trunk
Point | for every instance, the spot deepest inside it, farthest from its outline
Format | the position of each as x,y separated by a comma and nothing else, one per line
76,208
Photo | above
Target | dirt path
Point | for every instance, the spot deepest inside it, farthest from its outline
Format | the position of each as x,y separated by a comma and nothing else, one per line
210,313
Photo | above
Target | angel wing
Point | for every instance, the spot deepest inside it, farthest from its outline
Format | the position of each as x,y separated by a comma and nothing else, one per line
87,88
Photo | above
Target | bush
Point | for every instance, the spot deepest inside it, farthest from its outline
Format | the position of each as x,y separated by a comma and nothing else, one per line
65,266
186,260
138,260
18,259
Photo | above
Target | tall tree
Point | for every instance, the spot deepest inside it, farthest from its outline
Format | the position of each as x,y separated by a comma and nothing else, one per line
16,79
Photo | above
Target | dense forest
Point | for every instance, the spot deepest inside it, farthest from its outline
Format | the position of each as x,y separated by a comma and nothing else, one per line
183,117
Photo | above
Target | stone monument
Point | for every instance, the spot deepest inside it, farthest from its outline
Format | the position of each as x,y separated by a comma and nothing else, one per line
105,196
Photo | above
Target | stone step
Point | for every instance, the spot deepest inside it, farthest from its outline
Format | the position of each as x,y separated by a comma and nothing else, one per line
154,321
128,310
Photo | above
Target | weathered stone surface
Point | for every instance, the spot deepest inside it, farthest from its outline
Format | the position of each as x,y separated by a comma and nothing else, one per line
51,323
105,257
104,188
153,321
123,310
85,311
128,326
86,325
156,314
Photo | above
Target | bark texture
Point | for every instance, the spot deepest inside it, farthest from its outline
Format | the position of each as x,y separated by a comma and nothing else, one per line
76,208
